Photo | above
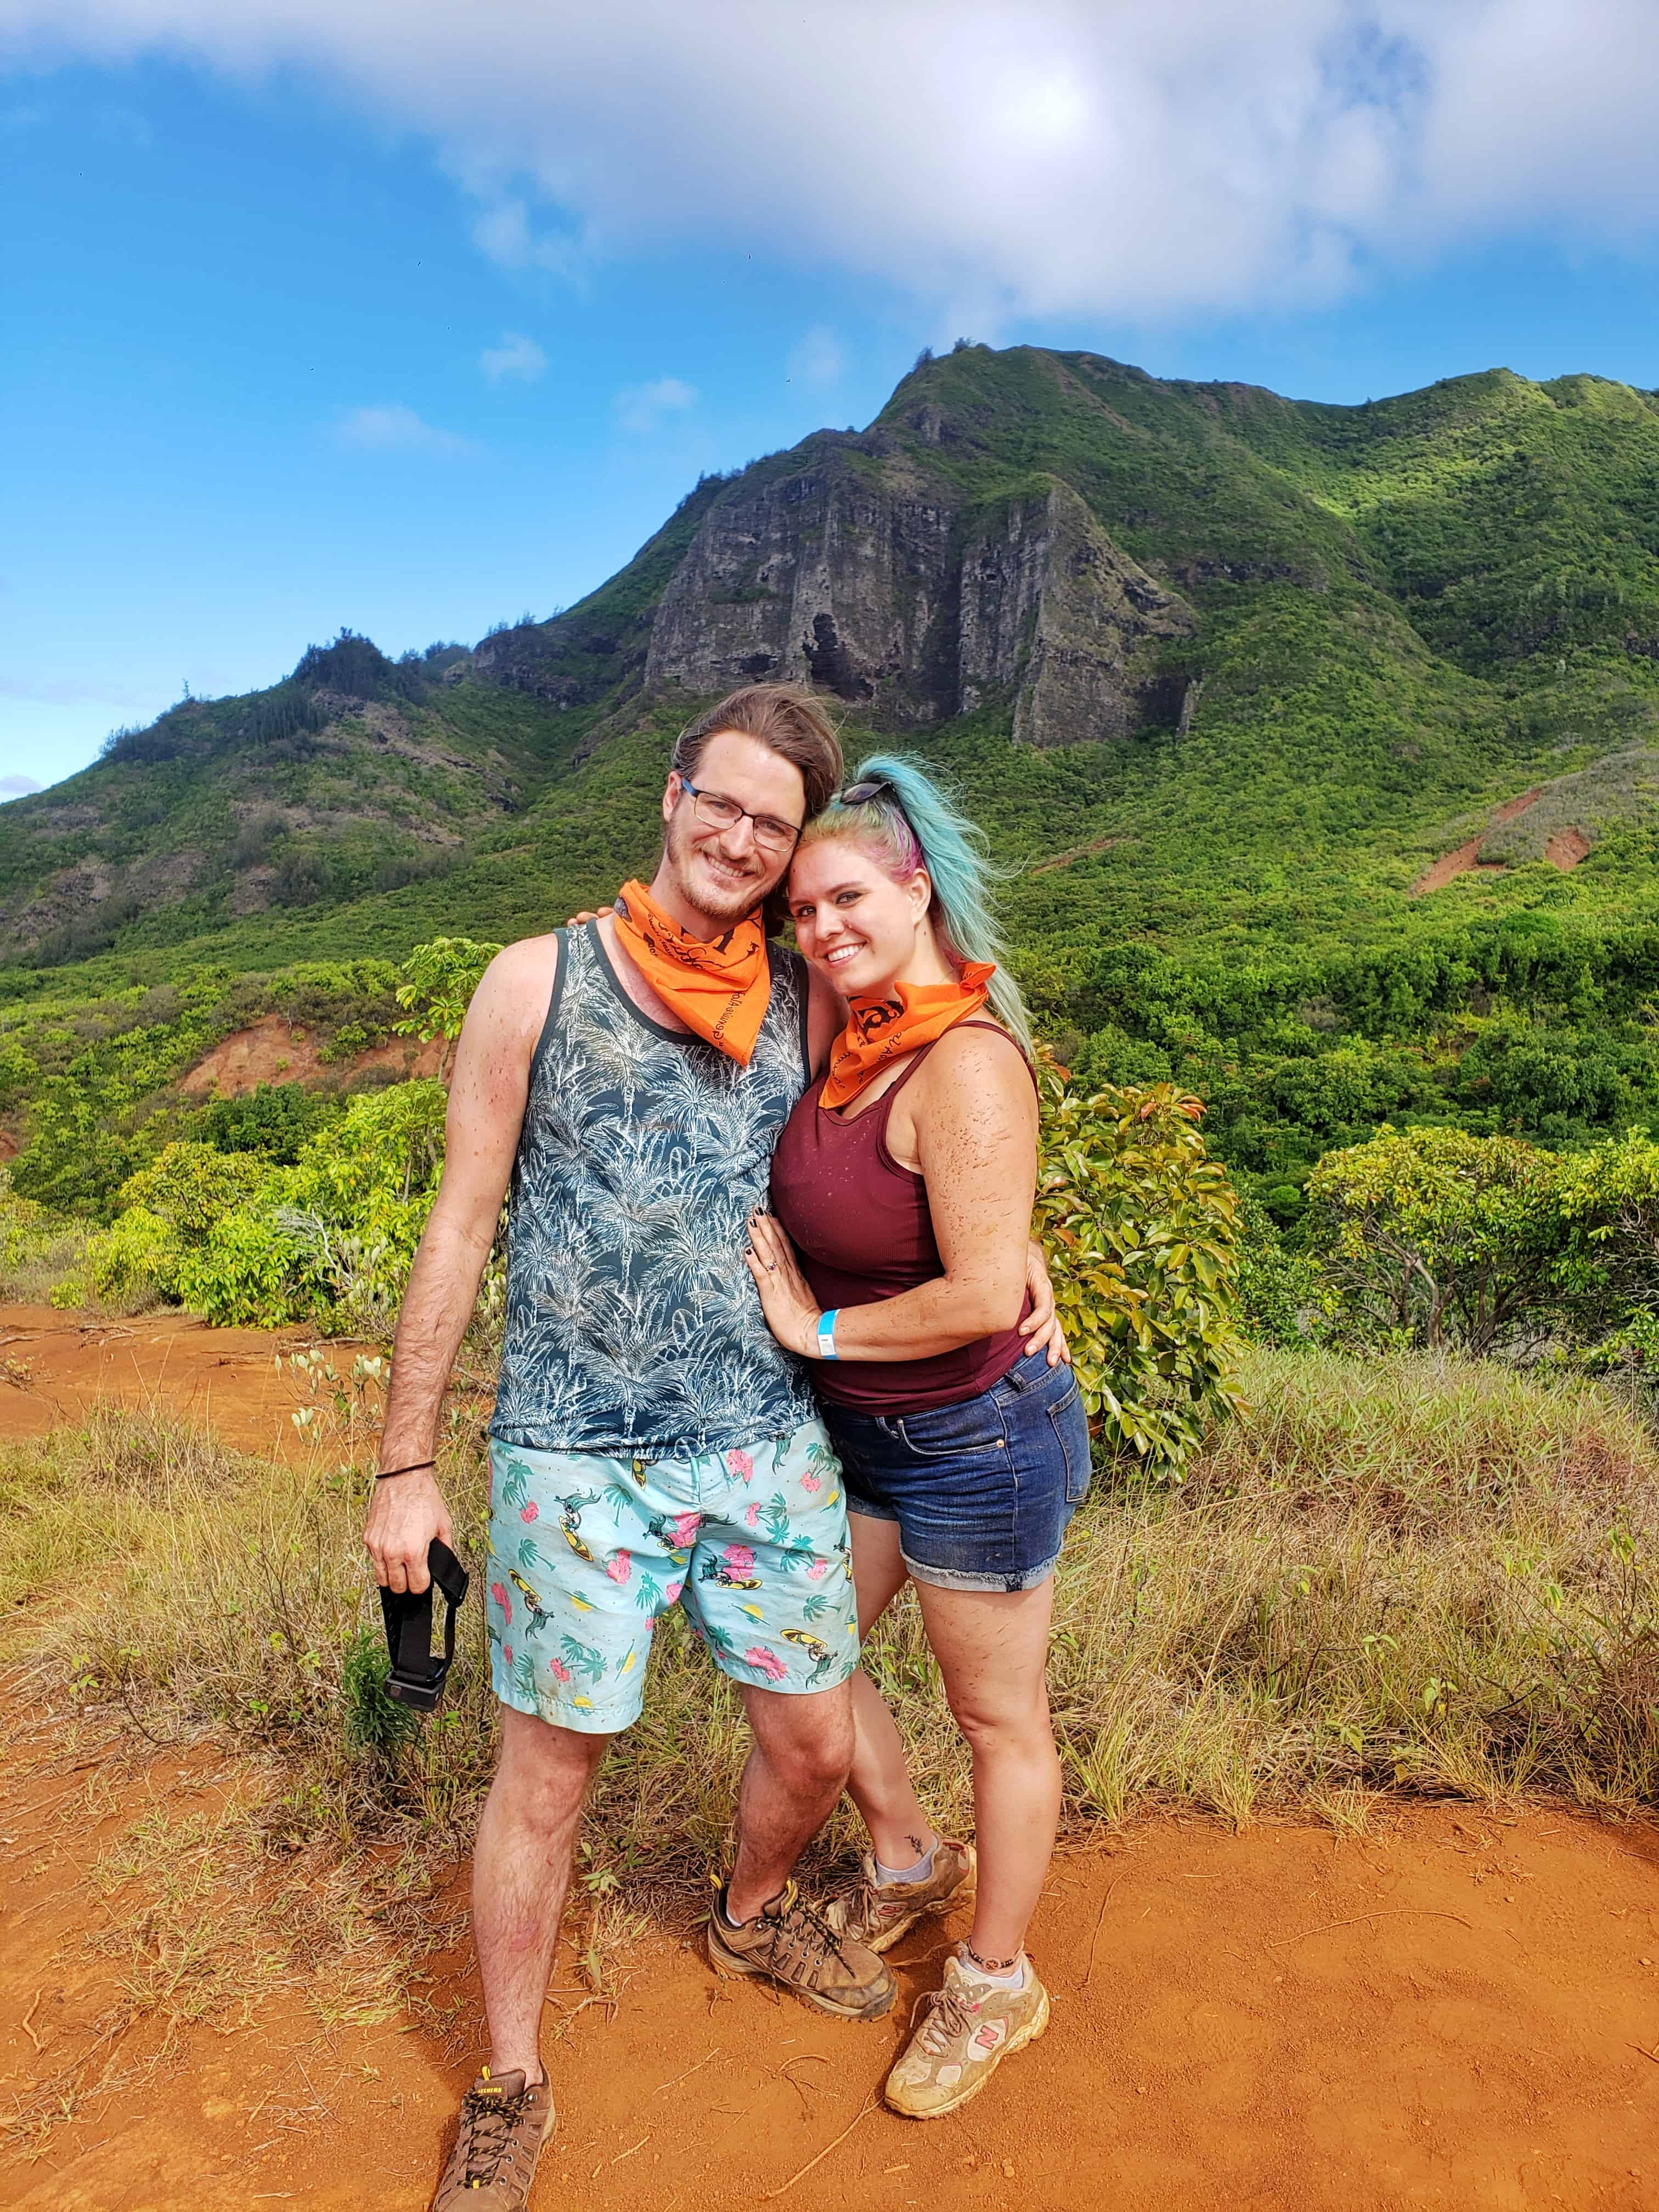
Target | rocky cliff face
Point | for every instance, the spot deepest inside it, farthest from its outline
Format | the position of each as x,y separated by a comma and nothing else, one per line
1053,613
852,569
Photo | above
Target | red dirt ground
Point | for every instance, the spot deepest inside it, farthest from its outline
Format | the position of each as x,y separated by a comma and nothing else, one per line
1566,848
1459,2009
53,1365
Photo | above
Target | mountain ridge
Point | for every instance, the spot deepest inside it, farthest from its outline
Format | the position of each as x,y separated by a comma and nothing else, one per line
1223,675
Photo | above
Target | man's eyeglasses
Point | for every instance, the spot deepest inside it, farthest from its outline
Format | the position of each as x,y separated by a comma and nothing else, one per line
716,812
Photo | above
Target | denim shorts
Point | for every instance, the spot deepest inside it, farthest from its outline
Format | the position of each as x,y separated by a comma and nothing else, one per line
982,1491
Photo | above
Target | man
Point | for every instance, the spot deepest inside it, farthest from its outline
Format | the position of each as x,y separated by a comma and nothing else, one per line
630,1079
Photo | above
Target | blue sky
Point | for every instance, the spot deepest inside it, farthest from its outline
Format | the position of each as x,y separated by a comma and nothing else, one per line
293,344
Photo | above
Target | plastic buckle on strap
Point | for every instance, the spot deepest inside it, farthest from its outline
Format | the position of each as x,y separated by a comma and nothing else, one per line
417,1673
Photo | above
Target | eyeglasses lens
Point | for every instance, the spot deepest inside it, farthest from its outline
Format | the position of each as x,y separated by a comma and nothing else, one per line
716,812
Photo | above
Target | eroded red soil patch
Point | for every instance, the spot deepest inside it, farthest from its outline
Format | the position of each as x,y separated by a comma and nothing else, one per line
1466,859
268,1051
1566,848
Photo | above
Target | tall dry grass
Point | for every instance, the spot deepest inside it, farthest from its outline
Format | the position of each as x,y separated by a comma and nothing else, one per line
1398,1575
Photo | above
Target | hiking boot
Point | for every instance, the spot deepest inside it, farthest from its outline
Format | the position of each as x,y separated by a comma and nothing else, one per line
967,2029
877,1913
788,1943
504,2124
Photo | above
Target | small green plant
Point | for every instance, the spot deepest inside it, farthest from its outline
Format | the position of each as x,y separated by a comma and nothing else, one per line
372,1722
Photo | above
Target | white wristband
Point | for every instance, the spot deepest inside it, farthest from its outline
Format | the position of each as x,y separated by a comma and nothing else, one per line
827,1334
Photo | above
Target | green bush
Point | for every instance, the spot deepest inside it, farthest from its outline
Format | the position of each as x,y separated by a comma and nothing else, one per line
332,1239
133,1262
1435,1238
1141,1232
191,1186
1284,1296
276,1119
254,1273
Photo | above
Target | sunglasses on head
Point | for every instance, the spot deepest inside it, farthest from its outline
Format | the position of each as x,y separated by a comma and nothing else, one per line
860,793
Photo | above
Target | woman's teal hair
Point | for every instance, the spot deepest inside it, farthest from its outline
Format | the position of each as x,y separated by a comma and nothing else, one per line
911,822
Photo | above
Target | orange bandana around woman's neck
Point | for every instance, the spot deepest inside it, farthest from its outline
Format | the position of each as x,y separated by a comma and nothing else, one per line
902,1020
719,989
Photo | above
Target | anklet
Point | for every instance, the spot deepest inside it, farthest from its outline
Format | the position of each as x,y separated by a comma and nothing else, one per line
1001,1968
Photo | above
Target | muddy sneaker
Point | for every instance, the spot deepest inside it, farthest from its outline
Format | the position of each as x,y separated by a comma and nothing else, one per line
967,2031
504,2124
789,1944
876,1913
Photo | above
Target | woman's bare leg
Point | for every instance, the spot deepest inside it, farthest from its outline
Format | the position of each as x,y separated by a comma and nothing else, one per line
879,1784
992,1649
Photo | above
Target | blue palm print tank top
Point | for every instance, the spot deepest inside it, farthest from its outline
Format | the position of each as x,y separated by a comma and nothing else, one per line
632,1323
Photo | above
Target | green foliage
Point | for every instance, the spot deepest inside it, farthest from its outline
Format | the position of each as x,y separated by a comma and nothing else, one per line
1284,1296
440,979
274,1119
1437,1238
132,1264
1139,1226
372,1722
256,1270
332,1239
190,1186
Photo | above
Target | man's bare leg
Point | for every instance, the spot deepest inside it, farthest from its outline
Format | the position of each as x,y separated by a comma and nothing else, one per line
796,1771
521,1872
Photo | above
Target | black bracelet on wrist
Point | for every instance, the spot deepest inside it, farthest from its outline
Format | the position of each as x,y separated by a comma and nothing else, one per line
414,1468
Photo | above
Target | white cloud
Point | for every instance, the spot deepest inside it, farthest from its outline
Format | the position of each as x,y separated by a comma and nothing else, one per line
641,407
503,232
987,158
818,358
515,357
18,786
397,429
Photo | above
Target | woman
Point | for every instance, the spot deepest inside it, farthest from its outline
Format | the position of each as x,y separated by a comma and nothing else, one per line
895,1259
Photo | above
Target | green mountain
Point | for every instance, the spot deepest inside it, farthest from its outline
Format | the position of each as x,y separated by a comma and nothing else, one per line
1326,739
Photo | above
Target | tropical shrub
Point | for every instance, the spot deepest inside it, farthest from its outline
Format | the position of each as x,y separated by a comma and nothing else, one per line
191,1185
131,1264
331,1240
1140,1227
440,979
1435,1238
275,1119
1284,1296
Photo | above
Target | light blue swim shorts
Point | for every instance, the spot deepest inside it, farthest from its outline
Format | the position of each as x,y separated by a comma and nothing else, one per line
586,1554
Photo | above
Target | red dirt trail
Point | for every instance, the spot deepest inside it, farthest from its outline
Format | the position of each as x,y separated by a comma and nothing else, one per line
1466,859
1457,2008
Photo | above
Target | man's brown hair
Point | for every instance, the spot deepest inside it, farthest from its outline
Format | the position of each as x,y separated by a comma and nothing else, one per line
789,721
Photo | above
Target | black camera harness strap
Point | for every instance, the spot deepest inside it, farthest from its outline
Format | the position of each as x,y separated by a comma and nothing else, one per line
417,1673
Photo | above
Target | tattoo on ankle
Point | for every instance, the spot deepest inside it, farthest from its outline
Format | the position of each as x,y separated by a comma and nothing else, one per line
917,1845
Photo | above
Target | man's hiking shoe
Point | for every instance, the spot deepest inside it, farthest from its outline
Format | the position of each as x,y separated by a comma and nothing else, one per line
504,2124
876,1913
788,1943
967,2028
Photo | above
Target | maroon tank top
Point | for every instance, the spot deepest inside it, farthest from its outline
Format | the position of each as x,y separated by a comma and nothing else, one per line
860,1225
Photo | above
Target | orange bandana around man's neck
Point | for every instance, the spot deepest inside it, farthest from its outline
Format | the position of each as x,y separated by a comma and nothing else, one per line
902,1020
719,989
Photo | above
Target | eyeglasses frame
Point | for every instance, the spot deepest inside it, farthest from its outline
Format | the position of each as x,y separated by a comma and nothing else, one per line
744,814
